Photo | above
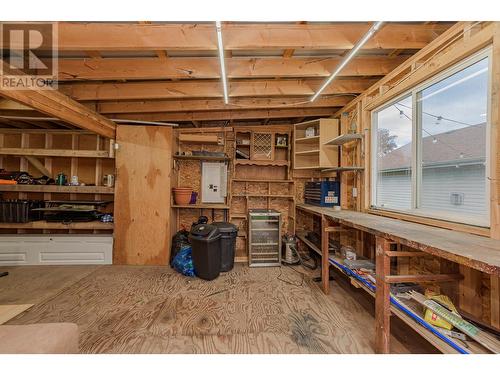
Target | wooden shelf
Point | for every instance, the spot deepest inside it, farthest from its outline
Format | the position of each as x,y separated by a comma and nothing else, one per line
308,152
307,139
265,195
238,216
64,153
311,152
342,169
263,181
49,225
201,206
344,138
301,235
58,189
309,167
277,163
199,138
200,157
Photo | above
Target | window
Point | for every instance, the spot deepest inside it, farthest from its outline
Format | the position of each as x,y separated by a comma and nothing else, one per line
430,147
394,150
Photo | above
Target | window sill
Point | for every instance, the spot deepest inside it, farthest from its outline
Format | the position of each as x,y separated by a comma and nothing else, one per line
481,231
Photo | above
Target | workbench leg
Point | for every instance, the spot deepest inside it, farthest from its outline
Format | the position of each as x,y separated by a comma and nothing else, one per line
325,264
382,298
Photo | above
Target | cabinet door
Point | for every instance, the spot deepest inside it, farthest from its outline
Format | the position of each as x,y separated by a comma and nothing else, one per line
142,195
262,146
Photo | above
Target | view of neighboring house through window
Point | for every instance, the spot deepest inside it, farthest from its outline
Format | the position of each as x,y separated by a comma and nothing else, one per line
394,150
435,164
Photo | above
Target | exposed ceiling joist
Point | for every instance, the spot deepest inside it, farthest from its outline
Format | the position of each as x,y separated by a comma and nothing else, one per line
229,115
151,37
56,104
208,89
207,67
144,106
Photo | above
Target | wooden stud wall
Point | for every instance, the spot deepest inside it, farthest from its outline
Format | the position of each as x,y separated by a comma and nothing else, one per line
478,294
88,169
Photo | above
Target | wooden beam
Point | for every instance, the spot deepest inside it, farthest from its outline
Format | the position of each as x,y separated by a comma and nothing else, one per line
382,297
325,263
144,106
228,115
450,36
12,105
208,67
406,254
56,104
94,54
162,55
494,136
38,165
208,89
462,49
53,152
76,36
422,278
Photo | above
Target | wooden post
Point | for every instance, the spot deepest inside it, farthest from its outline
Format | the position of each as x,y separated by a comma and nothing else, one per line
382,298
325,264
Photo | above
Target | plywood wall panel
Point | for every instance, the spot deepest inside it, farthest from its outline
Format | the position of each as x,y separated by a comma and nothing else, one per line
142,195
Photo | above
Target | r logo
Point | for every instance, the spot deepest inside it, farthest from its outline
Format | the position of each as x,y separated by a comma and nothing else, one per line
28,49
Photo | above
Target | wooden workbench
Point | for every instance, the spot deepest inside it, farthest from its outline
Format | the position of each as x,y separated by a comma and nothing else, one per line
480,253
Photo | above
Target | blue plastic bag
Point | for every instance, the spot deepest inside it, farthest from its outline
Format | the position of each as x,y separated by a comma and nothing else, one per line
183,262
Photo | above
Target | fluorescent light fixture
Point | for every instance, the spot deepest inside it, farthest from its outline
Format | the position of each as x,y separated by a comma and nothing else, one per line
348,57
221,60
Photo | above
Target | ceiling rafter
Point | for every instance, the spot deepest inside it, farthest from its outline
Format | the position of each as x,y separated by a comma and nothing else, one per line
208,89
77,36
208,68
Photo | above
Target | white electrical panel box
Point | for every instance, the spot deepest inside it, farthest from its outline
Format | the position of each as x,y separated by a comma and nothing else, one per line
213,182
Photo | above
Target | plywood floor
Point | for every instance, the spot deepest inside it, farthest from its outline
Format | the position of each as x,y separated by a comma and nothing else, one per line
135,309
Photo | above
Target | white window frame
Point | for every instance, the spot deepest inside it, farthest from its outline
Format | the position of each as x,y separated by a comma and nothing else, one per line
416,171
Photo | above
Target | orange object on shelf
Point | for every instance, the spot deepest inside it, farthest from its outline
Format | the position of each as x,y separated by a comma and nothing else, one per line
8,182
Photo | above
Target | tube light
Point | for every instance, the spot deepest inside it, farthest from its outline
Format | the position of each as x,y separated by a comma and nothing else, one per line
221,60
348,57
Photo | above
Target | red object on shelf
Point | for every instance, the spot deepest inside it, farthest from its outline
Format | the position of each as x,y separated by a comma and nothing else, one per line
8,182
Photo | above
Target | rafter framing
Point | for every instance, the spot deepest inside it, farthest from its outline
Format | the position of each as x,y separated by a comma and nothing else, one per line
141,37
145,106
56,104
229,115
208,89
208,67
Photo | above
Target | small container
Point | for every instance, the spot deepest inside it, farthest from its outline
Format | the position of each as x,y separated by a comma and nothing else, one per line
61,179
194,197
348,253
108,180
74,180
310,132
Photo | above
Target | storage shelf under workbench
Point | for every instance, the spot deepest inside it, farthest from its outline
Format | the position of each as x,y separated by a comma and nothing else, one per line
90,225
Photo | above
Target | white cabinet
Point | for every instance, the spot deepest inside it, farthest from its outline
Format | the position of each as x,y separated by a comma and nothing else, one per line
26,249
